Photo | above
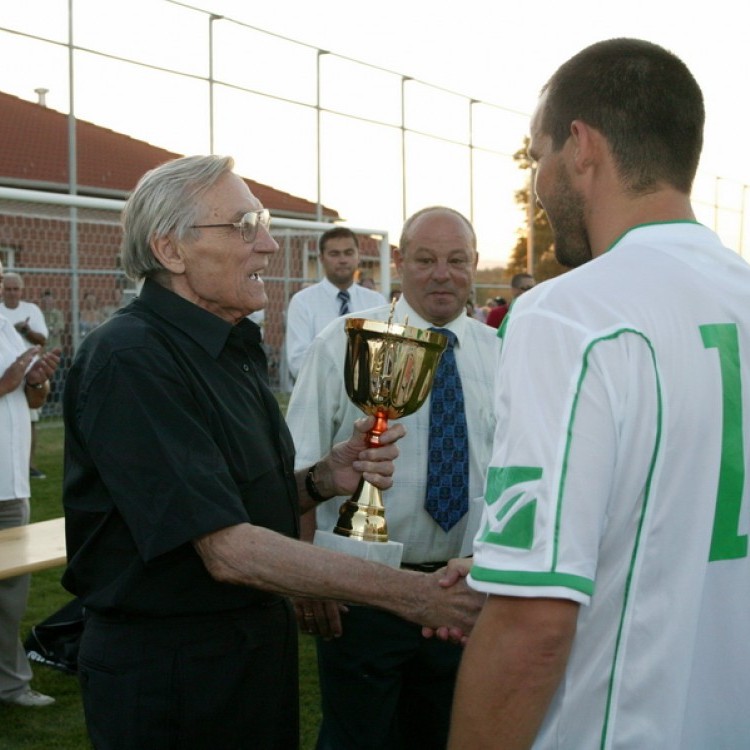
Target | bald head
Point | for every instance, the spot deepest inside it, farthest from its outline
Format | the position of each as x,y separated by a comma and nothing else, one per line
436,261
12,289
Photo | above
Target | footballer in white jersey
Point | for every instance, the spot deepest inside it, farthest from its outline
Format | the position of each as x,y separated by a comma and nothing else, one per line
619,480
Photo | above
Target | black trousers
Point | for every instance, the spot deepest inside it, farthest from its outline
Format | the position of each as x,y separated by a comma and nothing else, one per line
385,687
224,681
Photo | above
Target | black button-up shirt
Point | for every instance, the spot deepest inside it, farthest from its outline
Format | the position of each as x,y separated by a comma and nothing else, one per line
171,432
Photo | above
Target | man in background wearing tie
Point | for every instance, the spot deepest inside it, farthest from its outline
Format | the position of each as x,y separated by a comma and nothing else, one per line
312,309
383,686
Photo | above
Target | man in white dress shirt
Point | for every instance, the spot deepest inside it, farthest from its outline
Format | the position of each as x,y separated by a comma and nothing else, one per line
364,655
312,309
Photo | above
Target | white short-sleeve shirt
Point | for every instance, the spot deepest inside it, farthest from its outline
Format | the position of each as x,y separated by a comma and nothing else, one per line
15,425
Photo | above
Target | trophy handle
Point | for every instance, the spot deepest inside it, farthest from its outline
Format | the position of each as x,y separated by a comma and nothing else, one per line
363,515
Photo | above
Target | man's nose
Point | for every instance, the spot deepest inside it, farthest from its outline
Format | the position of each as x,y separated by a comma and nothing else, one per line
264,241
441,269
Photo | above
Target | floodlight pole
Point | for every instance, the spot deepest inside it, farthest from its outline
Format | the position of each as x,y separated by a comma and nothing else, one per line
318,148
404,80
213,17
72,186
472,102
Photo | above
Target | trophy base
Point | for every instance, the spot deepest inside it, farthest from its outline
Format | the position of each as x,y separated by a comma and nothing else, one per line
385,553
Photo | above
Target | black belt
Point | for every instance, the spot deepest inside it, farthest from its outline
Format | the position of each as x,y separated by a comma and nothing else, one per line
428,567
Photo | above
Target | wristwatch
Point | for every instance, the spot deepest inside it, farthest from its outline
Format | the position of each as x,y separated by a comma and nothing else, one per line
312,490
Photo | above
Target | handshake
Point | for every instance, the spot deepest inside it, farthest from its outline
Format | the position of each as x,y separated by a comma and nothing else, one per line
440,602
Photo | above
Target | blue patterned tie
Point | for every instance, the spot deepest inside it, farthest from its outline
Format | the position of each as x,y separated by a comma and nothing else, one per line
343,295
448,446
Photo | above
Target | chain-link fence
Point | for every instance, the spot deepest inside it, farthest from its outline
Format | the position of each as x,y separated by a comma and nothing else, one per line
66,249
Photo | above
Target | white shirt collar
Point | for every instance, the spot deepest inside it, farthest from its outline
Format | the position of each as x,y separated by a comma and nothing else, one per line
405,312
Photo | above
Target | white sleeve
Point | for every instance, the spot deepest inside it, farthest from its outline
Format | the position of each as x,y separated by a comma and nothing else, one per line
36,320
299,333
318,402
519,550
568,464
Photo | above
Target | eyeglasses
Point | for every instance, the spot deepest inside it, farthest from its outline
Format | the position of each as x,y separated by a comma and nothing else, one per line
248,224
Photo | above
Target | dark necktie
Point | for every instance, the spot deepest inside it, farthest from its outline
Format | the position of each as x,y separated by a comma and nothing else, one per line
343,296
447,497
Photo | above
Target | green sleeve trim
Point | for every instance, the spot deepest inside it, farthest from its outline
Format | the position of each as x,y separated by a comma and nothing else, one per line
528,578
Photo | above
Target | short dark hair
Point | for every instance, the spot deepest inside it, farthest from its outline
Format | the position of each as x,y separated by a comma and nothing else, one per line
645,102
335,233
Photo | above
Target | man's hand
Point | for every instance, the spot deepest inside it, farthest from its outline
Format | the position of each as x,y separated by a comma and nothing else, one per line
14,374
44,368
453,608
319,617
339,472
32,336
456,570
22,326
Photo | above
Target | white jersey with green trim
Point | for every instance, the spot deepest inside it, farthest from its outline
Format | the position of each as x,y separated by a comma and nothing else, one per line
620,480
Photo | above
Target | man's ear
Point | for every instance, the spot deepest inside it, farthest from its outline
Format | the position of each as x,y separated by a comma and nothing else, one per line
169,253
586,144
398,260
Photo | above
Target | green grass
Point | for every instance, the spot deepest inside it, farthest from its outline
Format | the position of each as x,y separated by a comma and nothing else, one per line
61,726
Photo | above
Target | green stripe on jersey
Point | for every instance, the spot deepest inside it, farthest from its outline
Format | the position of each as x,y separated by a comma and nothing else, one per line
529,578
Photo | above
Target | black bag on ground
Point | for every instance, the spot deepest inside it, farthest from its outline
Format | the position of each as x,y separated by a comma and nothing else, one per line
55,641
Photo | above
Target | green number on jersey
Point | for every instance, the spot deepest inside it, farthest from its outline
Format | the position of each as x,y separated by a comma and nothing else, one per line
726,543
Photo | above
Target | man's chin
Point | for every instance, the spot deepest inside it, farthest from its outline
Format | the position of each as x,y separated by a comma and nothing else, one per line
442,313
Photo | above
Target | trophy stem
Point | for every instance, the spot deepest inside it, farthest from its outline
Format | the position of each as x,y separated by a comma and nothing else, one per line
380,426
363,515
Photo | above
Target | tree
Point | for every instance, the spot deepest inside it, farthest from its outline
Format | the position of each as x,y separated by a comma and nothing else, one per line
545,264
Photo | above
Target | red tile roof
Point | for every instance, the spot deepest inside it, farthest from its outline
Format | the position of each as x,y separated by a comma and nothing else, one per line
34,154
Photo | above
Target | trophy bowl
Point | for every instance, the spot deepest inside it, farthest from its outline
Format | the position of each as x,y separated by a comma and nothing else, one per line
388,373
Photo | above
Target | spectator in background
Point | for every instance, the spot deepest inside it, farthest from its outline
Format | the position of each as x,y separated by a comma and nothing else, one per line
55,320
368,282
483,310
54,317
23,384
27,317
90,315
519,284
28,320
311,310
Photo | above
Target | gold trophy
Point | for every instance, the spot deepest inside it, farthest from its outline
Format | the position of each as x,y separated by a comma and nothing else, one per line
388,373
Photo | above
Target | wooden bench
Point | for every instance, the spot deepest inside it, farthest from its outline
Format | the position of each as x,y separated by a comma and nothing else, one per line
25,549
